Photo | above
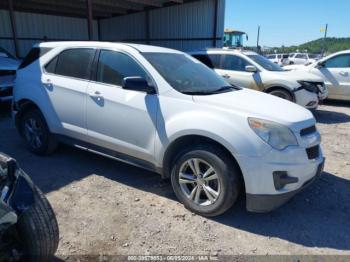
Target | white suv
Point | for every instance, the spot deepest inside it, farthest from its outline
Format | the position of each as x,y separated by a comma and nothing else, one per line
163,110
251,70
280,59
302,58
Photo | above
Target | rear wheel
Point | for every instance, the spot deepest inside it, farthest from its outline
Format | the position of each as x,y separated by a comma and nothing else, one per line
36,133
205,180
38,230
281,93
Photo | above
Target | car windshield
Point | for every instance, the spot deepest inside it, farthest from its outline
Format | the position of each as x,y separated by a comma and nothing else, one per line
187,75
265,63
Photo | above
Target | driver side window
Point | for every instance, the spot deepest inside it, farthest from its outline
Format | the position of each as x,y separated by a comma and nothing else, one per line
234,63
114,66
341,61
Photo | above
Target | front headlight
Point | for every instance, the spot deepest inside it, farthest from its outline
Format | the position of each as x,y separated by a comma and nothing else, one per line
274,134
309,86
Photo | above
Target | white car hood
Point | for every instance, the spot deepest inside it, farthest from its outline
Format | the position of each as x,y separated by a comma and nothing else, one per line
294,75
298,67
250,103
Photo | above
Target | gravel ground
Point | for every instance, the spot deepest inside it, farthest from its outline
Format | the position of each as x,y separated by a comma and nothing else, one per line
107,207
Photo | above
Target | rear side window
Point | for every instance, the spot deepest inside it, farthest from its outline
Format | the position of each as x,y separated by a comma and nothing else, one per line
301,56
51,66
33,55
113,67
73,63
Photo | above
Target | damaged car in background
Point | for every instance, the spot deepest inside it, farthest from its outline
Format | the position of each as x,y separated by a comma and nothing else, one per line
8,67
251,70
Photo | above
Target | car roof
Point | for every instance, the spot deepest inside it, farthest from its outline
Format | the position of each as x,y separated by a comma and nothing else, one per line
342,52
98,44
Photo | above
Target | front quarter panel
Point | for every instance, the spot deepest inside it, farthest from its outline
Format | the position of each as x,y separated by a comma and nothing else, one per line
183,117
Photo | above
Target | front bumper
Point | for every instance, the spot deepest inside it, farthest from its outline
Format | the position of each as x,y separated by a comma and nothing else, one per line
306,98
265,203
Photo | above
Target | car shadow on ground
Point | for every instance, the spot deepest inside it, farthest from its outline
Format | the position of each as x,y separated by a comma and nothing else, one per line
316,217
330,117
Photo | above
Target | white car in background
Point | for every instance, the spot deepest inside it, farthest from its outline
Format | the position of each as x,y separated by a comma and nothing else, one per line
335,72
163,110
251,70
280,59
302,58
8,67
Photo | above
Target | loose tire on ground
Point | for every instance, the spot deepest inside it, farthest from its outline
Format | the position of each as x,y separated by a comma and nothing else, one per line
38,229
228,174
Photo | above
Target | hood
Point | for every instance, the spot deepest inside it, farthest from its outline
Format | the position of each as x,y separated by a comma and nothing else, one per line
8,63
298,67
250,103
295,75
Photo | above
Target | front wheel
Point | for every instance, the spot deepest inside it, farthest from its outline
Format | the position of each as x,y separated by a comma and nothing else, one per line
38,230
281,93
206,180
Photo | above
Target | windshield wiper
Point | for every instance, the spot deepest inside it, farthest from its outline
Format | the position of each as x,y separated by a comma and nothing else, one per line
197,93
223,89
227,89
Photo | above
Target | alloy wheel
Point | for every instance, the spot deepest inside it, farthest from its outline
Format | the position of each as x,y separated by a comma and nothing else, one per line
34,133
199,182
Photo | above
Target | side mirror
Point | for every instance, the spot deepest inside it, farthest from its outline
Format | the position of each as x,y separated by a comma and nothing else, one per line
250,68
137,83
320,64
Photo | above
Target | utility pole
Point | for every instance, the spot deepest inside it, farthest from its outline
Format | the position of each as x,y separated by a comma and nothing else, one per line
325,40
257,40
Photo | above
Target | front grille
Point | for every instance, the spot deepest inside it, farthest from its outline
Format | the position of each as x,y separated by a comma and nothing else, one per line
313,152
308,131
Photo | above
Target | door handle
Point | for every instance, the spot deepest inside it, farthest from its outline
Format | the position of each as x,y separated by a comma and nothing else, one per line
226,76
47,83
342,73
96,94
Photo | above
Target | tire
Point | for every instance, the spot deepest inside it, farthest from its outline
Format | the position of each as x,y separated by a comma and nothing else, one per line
38,230
48,143
281,93
226,187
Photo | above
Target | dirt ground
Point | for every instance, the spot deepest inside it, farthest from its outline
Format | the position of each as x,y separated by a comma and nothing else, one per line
107,207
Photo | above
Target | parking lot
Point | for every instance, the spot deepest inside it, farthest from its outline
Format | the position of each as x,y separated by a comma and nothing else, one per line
107,207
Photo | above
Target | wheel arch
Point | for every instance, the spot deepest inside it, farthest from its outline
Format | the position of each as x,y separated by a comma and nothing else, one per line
22,106
276,87
178,144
